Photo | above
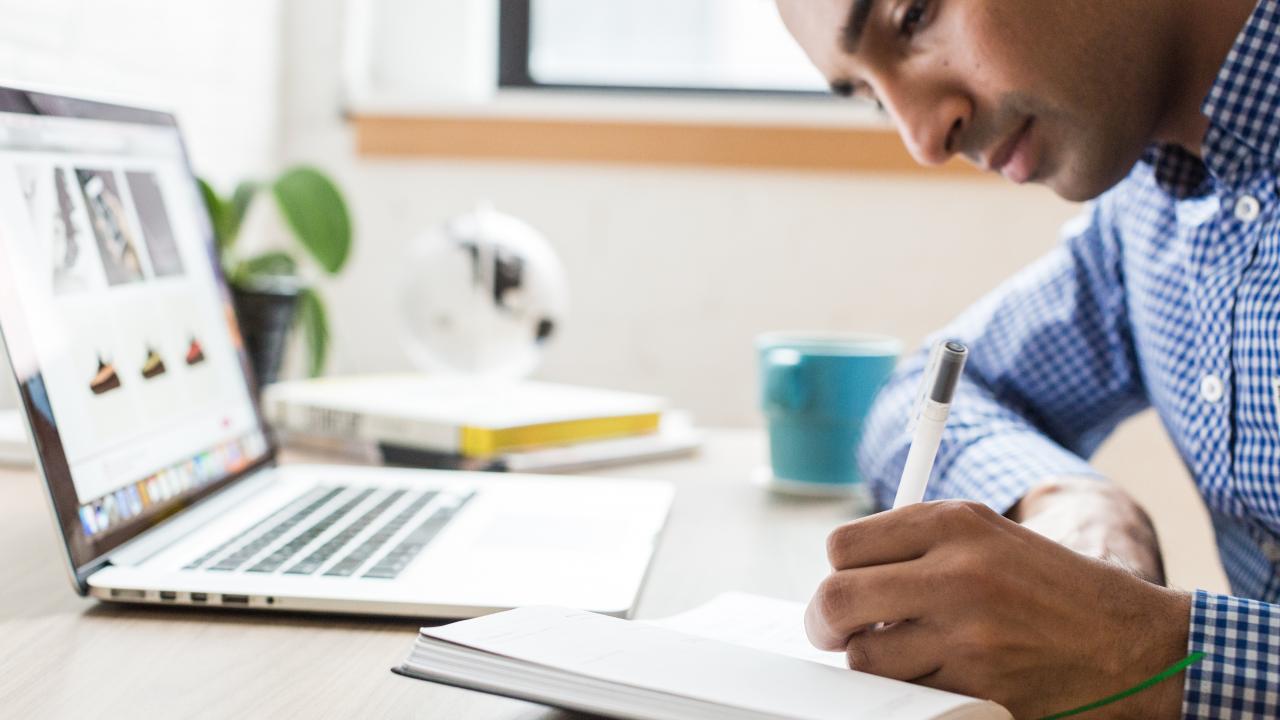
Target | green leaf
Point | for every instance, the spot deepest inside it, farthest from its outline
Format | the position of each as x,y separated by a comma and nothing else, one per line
223,233
315,330
317,214
270,263
239,205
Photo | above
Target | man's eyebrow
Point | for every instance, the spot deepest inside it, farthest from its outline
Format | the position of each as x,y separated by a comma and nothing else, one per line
851,33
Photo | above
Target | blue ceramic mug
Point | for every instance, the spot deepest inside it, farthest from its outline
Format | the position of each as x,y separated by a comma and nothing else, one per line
816,389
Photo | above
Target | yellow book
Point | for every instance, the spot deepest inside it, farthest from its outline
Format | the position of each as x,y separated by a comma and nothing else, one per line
483,442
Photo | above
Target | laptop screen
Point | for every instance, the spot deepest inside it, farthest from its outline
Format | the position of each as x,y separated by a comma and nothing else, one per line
118,323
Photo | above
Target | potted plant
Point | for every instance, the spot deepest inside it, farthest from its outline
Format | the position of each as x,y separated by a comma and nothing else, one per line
270,294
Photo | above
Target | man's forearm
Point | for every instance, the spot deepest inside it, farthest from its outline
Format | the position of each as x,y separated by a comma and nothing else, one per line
1094,518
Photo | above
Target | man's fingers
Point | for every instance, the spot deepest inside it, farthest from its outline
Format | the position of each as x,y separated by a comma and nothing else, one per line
951,678
902,651
904,534
848,601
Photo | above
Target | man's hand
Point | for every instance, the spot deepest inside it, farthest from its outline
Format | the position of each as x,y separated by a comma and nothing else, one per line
1094,518
954,596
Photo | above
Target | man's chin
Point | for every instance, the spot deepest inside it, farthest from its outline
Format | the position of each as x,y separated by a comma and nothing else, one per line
1081,184
1075,192
1078,189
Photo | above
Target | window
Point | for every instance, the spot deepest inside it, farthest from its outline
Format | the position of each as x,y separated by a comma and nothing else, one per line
682,45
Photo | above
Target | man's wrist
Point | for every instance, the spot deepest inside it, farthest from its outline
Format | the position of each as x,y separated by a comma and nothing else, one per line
1169,634
1144,650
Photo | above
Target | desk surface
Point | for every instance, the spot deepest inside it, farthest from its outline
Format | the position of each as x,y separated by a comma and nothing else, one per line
66,656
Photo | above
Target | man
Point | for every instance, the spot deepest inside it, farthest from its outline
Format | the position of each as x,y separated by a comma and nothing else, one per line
1167,294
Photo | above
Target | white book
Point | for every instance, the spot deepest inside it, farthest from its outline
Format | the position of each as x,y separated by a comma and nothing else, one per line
738,657
469,416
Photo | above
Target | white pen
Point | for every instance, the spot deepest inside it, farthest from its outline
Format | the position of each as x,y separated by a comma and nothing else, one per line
939,386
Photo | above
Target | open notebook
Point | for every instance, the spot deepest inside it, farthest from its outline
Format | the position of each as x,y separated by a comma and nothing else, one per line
737,657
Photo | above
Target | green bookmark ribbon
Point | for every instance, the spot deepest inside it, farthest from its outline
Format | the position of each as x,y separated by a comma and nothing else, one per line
1152,681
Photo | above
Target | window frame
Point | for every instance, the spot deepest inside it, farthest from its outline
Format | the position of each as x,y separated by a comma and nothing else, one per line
515,27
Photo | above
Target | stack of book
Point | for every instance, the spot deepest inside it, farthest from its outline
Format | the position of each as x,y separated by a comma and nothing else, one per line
469,423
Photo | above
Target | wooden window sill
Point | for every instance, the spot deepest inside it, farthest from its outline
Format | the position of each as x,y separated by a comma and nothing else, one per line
731,133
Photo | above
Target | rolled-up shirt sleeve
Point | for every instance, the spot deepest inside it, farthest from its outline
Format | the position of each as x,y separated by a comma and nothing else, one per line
1051,372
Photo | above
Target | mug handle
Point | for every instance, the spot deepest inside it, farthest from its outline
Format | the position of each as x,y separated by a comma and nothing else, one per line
783,388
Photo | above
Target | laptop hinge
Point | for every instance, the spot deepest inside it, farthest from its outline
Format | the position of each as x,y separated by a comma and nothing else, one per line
84,572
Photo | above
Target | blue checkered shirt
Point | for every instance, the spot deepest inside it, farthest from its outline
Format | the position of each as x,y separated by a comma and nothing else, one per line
1165,294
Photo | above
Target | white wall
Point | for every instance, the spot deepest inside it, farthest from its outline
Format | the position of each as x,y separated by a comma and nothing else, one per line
672,273
216,64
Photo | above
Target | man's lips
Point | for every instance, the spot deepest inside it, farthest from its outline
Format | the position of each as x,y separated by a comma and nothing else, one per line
1013,158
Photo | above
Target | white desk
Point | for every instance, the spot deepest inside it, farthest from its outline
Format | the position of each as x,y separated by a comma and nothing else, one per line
66,656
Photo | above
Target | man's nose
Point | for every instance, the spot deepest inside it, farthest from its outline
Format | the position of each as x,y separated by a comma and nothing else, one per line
932,128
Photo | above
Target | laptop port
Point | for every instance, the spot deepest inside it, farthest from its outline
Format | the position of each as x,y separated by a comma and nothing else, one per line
128,594
168,595
235,599
199,597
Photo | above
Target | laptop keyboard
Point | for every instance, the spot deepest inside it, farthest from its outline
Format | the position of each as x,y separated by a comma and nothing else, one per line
304,506
326,531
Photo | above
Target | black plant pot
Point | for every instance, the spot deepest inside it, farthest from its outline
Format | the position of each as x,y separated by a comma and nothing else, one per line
265,311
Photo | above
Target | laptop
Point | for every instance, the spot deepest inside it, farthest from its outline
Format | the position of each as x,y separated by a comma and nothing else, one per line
161,474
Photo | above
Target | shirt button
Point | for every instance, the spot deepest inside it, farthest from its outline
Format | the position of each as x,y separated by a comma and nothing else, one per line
1247,208
1211,388
1271,549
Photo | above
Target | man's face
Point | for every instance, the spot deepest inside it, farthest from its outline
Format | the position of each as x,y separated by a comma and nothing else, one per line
1066,93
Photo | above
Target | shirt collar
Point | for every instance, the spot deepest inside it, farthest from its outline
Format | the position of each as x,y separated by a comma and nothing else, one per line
1243,108
1244,105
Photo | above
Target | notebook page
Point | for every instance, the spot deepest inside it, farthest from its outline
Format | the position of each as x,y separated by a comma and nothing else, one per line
752,621
643,655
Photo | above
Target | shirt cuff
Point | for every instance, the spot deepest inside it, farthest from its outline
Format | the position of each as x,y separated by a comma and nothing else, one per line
999,470
1239,676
